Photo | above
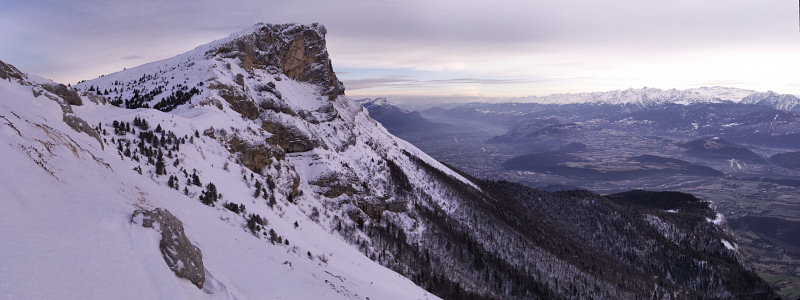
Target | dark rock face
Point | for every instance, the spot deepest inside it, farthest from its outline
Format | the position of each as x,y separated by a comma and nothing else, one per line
335,185
298,51
181,256
289,139
253,156
375,210
70,96
9,71
238,100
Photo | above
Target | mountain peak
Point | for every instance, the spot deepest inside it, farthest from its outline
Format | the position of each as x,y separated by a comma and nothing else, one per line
299,51
369,102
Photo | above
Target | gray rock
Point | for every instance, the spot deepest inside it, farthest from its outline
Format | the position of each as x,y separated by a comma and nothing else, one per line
297,51
183,258
70,96
8,71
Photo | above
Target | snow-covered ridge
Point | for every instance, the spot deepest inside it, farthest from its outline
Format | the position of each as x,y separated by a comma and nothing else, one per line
367,102
653,96
76,198
380,102
259,116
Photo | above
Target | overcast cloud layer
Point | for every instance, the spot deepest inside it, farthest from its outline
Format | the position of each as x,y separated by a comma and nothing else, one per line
443,48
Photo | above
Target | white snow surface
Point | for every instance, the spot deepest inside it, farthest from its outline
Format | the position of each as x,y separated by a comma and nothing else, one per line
67,202
729,245
718,219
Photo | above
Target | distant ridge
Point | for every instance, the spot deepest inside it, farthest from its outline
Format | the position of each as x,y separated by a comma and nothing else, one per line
647,96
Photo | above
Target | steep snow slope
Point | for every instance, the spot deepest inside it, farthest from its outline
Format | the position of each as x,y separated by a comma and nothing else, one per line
68,203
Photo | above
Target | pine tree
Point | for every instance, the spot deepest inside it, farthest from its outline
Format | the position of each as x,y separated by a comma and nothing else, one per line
195,179
273,237
160,167
258,189
209,196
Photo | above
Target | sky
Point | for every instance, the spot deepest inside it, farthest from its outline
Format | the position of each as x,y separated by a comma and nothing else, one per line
426,49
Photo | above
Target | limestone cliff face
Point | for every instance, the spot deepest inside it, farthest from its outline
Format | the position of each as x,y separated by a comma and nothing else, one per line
298,51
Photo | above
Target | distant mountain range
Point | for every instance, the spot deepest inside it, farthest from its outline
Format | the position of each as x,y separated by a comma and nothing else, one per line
653,96
738,148
396,119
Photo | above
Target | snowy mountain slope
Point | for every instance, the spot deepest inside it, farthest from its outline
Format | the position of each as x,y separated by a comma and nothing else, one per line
251,143
783,102
68,203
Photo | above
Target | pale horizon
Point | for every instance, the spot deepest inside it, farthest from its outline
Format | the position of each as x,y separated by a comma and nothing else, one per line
447,49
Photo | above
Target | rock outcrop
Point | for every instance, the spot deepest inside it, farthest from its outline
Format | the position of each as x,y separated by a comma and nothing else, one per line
254,156
9,71
70,96
61,94
297,51
183,258
289,139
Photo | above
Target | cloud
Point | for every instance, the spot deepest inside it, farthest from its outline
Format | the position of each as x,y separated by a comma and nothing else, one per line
402,81
518,47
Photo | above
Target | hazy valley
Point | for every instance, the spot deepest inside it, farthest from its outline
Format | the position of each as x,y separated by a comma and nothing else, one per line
735,148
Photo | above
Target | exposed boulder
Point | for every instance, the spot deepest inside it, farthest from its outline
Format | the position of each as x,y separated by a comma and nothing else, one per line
183,258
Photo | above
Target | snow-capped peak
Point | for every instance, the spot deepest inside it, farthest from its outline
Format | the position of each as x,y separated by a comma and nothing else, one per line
647,96
374,102
779,101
